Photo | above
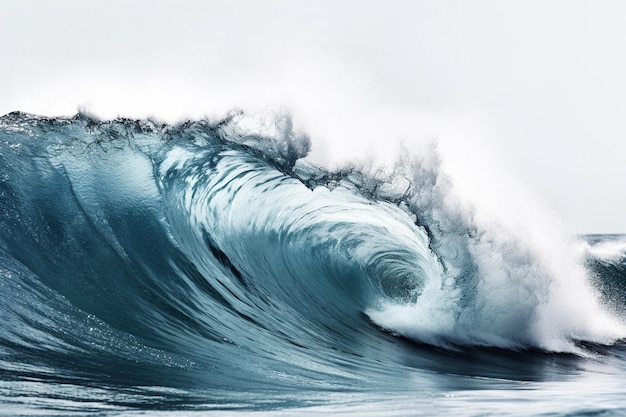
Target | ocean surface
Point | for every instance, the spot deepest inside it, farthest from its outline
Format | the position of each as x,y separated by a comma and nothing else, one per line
200,268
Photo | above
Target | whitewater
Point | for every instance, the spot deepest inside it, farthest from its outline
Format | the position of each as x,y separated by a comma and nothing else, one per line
179,269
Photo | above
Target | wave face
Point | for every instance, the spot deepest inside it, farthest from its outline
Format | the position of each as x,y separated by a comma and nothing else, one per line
201,258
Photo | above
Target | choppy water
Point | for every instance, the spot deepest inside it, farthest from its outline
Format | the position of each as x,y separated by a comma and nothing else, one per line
175,269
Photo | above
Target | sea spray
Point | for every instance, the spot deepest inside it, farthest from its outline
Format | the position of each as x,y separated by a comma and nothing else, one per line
499,286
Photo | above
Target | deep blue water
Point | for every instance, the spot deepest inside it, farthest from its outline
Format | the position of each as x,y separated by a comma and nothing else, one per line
153,269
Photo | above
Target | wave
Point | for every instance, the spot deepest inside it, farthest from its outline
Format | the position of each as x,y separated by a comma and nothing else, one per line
206,246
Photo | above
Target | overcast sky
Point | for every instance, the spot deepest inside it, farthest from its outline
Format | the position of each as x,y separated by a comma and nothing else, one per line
539,84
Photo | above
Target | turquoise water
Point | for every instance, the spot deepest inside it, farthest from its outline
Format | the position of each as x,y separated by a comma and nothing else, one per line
150,269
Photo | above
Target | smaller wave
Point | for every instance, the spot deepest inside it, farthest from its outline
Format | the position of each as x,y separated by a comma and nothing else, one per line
605,257
605,248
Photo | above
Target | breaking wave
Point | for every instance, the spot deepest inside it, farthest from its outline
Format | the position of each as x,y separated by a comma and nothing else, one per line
223,255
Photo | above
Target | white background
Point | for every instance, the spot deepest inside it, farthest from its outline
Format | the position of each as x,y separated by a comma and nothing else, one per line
533,88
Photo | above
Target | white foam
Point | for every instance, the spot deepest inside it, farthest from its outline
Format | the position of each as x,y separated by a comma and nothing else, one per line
511,278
